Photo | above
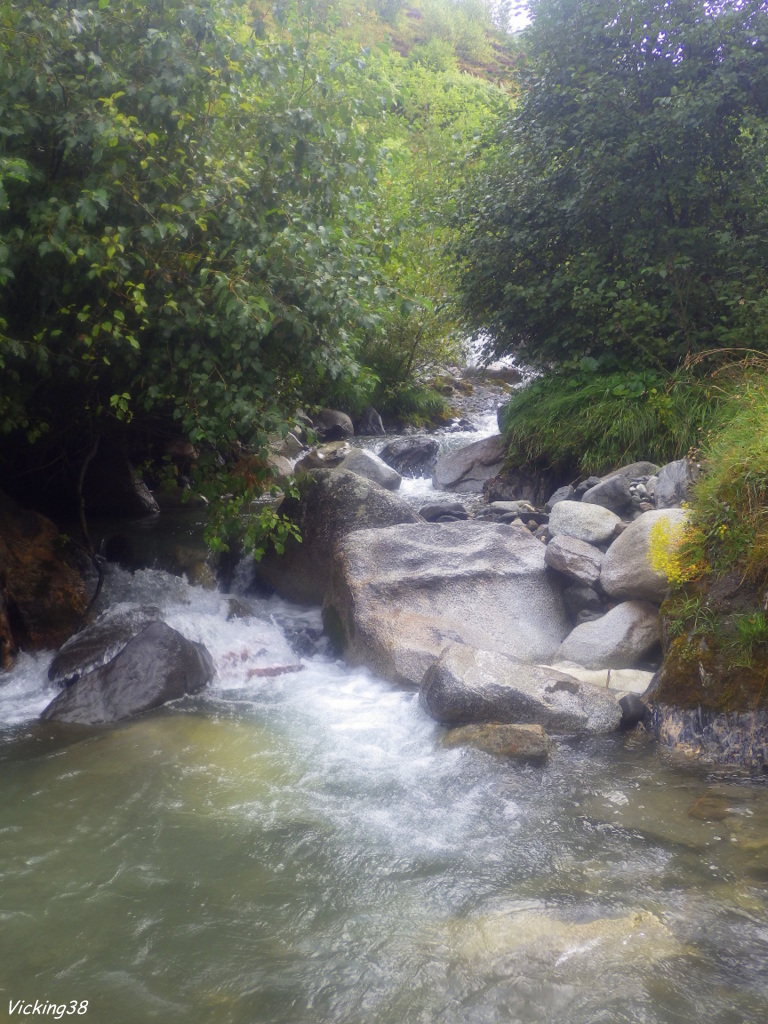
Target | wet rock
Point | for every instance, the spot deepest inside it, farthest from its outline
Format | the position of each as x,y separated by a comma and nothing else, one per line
627,571
468,468
331,504
633,711
521,742
42,593
371,467
736,738
98,644
398,595
591,523
518,508
466,686
674,483
156,666
370,423
576,559
411,456
619,639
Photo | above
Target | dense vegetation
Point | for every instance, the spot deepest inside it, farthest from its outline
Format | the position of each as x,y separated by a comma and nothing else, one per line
213,212
619,231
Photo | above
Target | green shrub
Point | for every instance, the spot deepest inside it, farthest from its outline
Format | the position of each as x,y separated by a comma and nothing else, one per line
589,422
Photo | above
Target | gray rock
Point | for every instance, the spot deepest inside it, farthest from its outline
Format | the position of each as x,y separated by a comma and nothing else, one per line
580,598
468,468
576,559
333,425
370,423
156,666
289,447
521,742
627,571
674,483
591,523
398,595
451,508
466,685
331,504
584,485
411,456
561,494
372,468
325,456
633,710
619,639
612,493
519,483
98,644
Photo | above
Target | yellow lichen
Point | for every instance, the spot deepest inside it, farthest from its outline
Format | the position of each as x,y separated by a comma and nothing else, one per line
667,552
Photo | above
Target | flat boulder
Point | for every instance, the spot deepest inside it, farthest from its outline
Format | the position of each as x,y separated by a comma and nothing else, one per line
619,639
627,571
469,468
591,523
158,665
466,686
370,466
398,595
331,504
521,742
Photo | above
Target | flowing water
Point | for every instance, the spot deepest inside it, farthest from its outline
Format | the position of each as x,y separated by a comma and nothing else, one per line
300,848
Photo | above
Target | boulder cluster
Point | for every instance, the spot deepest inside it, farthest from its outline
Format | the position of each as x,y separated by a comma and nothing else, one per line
504,614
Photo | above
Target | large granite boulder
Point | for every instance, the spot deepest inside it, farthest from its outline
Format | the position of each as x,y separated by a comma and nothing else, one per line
627,571
619,639
468,468
591,523
42,593
466,685
331,504
370,466
158,665
399,594
411,456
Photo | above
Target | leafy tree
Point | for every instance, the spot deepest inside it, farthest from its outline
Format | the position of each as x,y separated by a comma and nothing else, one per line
625,218
187,220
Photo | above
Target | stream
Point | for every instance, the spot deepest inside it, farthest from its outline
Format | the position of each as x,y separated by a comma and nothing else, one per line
302,849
